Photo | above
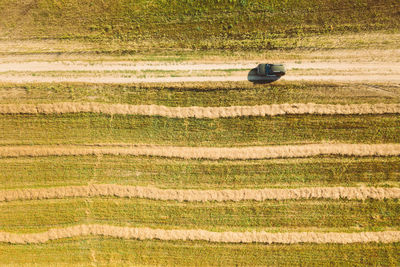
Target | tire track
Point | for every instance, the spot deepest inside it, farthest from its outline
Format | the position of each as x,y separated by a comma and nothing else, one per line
27,66
213,153
200,112
19,79
192,235
124,191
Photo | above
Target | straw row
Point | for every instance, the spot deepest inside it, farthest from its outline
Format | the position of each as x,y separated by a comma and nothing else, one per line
199,112
359,193
192,235
214,153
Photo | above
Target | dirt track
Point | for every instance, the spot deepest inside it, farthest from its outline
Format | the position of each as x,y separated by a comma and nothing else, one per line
213,153
359,193
190,235
123,66
24,72
123,80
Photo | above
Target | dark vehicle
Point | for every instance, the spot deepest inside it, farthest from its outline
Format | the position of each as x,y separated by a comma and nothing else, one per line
271,70
266,73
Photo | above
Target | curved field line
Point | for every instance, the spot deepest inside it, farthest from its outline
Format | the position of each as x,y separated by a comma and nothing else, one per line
200,112
214,153
190,235
359,193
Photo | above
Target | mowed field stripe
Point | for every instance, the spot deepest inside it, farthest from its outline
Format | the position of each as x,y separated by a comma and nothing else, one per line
359,193
213,153
192,235
200,112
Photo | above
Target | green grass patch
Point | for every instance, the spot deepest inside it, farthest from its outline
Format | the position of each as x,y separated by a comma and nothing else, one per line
102,251
31,172
202,94
276,216
199,25
305,47
240,131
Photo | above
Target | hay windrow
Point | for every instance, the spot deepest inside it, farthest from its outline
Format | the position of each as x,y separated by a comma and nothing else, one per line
213,153
359,193
191,235
200,112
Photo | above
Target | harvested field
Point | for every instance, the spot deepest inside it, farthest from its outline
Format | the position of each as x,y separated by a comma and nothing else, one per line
234,182
225,237
200,112
137,133
243,153
204,195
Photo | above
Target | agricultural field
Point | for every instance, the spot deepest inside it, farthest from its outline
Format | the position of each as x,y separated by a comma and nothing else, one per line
134,137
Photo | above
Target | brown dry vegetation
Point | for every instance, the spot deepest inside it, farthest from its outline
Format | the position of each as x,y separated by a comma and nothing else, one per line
225,237
214,153
200,112
360,193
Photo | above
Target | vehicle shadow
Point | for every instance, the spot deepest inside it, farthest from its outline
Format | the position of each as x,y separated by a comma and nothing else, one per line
257,79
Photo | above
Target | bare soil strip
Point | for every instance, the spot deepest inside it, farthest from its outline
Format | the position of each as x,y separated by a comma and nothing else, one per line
365,78
124,191
213,153
132,66
191,235
200,112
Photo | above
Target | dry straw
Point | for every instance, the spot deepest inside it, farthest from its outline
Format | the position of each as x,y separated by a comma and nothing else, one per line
360,193
199,112
214,153
189,235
